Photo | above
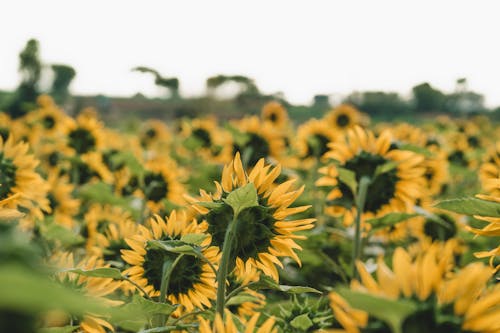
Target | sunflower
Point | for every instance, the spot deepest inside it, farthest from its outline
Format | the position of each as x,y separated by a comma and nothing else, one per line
263,233
313,138
18,178
490,170
48,120
92,286
62,203
343,117
210,141
460,153
257,140
445,300
493,226
85,134
275,113
98,219
228,325
349,318
394,189
154,134
161,183
192,282
257,300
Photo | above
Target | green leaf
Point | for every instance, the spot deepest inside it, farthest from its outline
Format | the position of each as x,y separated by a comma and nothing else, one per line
127,158
388,220
175,246
391,311
65,329
265,282
27,291
102,272
196,239
348,177
386,167
57,233
243,197
471,206
241,298
302,322
103,193
415,149
136,314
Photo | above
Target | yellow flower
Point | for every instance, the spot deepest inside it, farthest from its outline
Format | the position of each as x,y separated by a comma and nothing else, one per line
396,189
228,326
192,283
85,134
263,232
275,113
313,138
490,170
62,203
343,117
259,140
19,179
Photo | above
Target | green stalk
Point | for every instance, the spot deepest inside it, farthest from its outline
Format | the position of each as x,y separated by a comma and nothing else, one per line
224,264
360,200
165,281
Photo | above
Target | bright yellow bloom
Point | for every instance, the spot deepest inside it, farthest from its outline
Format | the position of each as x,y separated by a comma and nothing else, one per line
228,325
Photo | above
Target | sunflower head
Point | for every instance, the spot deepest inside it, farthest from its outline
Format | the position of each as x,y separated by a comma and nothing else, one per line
85,135
275,113
343,117
395,176
192,282
263,232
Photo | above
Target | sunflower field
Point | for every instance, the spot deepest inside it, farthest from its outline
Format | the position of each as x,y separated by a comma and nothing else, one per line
251,225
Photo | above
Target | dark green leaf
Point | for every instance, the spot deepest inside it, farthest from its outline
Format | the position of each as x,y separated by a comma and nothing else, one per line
102,272
393,312
348,177
471,206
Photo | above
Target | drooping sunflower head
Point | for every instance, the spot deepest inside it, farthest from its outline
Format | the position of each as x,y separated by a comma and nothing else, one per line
161,183
85,134
313,138
344,117
192,282
154,132
263,232
275,113
395,176
18,178
257,140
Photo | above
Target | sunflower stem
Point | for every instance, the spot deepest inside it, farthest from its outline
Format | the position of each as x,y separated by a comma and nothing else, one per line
360,205
168,268
224,264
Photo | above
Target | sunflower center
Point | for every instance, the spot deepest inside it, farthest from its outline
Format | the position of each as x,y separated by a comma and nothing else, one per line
458,157
254,231
7,176
4,133
259,148
81,140
156,186
53,158
317,145
343,120
438,231
52,201
113,251
473,141
151,133
382,187
187,272
48,122
273,117
202,135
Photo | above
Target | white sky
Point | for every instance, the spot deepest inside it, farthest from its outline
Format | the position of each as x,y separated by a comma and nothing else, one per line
298,47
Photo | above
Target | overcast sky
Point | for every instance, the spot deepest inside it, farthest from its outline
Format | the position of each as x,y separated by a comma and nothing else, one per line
301,48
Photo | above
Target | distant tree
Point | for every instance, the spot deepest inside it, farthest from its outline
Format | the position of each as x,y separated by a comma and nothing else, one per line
378,103
248,86
428,99
171,83
30,68
463,100
63,75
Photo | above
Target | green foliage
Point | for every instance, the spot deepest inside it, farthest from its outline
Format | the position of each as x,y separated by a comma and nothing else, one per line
242,198
471,206
388,220
63,75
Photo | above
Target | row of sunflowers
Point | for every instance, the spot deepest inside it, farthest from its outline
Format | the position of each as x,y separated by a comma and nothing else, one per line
254,225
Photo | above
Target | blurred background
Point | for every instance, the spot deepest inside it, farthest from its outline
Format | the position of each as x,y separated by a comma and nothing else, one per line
159,59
